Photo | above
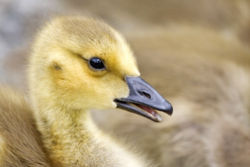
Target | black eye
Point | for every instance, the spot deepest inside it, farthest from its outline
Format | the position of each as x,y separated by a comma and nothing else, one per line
96,63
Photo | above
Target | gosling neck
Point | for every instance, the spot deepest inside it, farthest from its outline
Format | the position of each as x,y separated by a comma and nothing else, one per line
66,134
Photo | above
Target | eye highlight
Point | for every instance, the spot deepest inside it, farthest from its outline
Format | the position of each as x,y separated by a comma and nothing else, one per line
96,63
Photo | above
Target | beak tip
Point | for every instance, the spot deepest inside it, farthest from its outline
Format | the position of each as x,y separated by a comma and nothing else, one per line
169,109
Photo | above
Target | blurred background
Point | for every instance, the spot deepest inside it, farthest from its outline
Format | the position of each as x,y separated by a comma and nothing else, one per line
196,53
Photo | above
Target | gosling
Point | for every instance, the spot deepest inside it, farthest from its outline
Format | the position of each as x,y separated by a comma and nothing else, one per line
77,65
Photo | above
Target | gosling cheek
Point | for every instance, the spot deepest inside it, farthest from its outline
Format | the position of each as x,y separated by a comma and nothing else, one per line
110,104
122,91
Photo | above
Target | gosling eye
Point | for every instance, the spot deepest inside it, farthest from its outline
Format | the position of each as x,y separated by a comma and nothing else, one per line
96,63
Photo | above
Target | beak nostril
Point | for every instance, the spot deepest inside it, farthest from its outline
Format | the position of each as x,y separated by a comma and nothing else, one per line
145,94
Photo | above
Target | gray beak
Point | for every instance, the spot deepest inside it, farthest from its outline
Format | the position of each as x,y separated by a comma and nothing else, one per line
143,99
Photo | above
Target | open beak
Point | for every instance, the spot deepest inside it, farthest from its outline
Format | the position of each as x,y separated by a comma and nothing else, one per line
144,100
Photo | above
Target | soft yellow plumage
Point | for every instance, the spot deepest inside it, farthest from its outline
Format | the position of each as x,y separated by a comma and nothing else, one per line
64,88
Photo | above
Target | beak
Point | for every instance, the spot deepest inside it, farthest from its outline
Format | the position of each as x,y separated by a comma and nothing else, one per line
144,100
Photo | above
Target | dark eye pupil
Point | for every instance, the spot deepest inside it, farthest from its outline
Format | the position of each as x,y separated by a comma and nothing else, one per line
96,63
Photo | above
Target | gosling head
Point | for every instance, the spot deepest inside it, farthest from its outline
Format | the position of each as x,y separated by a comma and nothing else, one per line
83,64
